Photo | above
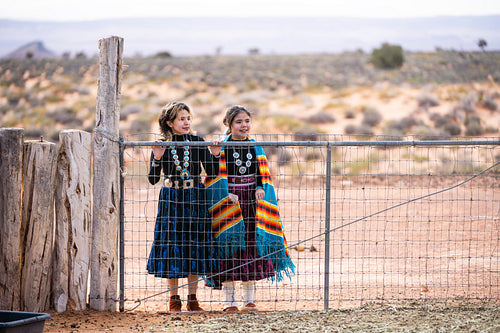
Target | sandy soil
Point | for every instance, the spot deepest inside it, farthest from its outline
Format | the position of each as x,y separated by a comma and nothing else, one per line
411,317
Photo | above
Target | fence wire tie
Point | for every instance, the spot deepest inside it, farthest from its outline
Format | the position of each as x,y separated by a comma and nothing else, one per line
123,171
139,301
108,135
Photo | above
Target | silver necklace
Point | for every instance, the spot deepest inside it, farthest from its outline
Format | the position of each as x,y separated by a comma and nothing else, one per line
182,167
242,168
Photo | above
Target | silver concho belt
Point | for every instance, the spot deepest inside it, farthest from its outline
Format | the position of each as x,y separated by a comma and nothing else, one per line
186,184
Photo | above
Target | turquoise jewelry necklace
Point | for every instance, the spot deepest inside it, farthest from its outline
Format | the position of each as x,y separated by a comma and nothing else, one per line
242,168
182,166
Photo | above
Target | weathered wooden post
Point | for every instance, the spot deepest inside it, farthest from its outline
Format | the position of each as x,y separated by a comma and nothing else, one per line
106,184
11,179
73,221
37,224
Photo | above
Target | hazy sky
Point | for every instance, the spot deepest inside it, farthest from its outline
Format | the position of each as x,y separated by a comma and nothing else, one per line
71,10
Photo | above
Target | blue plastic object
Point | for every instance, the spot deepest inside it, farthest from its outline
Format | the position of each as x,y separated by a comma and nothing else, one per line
25,322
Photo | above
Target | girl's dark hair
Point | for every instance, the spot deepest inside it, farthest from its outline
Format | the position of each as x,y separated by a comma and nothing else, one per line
231,113
168,113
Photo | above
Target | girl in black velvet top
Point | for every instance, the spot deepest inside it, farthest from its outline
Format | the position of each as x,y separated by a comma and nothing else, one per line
183,241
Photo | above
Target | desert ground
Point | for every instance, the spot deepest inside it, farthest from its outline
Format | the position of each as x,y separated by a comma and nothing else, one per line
411,317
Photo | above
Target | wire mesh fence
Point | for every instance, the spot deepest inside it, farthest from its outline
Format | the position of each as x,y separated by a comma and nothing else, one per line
365,221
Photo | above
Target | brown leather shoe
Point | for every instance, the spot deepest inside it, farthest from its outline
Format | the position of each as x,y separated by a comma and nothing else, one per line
231,309
250,307
193,304
175,305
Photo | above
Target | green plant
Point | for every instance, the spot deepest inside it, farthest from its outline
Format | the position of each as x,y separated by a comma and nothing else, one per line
356,167
387,56
286,123
482,44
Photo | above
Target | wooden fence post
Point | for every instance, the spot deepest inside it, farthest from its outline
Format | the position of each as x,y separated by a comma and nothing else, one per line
37,224
106,184
73,221
11,178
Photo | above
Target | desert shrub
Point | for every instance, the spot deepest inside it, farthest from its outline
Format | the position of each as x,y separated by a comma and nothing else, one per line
438,119
4,109
66,116
408,122
163,54
306,100
13,99
489,103
141,125
471,120
424,132
321,118
82,90
284,157
452,129
363,130
387,56
474,129
54,136
33,133
393,129
130,109
286,123
306,134
350,129
473,126
371,117
491,129
81,56
404,125
313,154
270,150
33,100
207,125
468,103
53,98
392,133
350,114
426,100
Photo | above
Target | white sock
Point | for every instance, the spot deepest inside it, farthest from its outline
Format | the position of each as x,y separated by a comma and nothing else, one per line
229,297
248,292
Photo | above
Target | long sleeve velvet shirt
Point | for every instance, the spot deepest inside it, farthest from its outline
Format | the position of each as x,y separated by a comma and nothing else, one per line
198,156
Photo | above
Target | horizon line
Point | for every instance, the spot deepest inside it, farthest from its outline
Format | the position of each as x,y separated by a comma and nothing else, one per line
48,20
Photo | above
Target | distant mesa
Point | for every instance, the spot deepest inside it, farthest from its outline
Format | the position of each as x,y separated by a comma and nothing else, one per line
33,50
